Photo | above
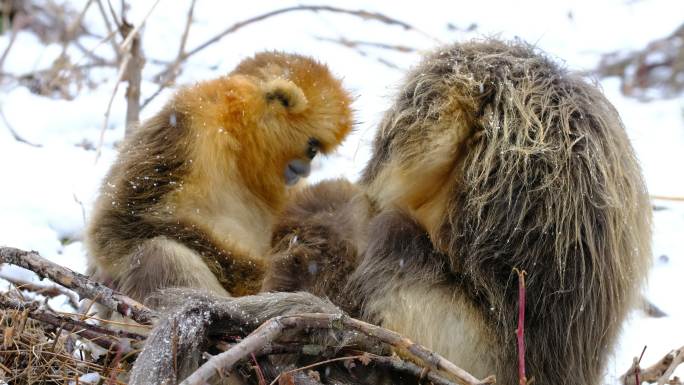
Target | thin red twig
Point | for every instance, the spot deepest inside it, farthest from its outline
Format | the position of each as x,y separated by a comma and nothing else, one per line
260,374
522,378
637,368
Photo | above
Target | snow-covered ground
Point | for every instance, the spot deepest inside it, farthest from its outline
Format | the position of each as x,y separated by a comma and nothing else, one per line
46,192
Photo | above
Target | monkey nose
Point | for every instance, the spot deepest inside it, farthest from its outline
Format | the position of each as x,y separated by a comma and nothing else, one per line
296,169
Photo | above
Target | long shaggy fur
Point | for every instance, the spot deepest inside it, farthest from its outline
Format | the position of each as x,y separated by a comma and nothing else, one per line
193,196
493,158
318,242
546,182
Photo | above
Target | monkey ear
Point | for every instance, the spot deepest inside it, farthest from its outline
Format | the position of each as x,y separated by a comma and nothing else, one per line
287,94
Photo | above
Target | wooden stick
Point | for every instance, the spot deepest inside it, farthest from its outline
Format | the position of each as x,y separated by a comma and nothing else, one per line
169,75
99,335
667,198
121,73
14,133
269,331
520,332
79,283
134,67
676,360
49,290
394,362
313,8
166,79
659,372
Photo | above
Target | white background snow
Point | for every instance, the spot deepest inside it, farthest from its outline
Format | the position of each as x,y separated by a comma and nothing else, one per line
40,188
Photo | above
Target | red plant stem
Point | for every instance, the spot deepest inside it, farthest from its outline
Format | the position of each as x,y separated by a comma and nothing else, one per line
114,365
260,374
637,368
521,327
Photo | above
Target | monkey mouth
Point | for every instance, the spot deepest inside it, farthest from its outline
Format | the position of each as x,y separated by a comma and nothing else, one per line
295,170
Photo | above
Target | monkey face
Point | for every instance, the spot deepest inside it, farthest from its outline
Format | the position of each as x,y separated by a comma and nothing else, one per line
298,168
266,121
306,109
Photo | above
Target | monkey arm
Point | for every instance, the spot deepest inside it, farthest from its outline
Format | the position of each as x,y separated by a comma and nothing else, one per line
317,241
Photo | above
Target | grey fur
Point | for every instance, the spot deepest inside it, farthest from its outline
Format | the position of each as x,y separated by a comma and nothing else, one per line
514,163
191,316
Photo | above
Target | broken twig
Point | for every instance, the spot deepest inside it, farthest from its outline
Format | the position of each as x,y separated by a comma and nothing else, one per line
269,331
659,372
79,283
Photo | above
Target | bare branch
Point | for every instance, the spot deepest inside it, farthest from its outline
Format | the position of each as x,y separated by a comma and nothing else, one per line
676,361
125,46
71,29
657,66
394,363
186,31
99,335
50,291
130,69
651,309
19,22
133,75
108,25
119,78
90,52
659,372
313,8
269,331
357,46
397,364
667,198
15,135
117,22
168,75
79,283
360,43
69,35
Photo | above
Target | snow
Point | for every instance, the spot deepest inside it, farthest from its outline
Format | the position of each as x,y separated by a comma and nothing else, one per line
88,378
47,191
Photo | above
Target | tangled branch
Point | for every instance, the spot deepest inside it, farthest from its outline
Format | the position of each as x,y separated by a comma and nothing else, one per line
169,74
660,372
79,283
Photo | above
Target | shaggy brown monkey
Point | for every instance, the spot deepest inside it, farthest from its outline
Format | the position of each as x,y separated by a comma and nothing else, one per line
493,158
192,198
318,238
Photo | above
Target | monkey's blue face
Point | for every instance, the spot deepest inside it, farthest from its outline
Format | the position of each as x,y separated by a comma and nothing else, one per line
296,169
301,167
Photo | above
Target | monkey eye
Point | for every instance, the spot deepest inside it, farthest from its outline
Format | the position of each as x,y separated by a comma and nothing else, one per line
313,147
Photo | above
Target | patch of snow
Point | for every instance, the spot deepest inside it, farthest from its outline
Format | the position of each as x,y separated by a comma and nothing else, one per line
88,378
42,187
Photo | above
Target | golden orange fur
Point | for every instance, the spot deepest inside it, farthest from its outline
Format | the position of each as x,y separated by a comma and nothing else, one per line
192,198
492,158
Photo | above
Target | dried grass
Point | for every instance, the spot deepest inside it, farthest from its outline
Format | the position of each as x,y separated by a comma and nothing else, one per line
33,352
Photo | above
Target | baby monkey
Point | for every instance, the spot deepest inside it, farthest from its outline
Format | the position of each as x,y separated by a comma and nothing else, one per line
192,199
